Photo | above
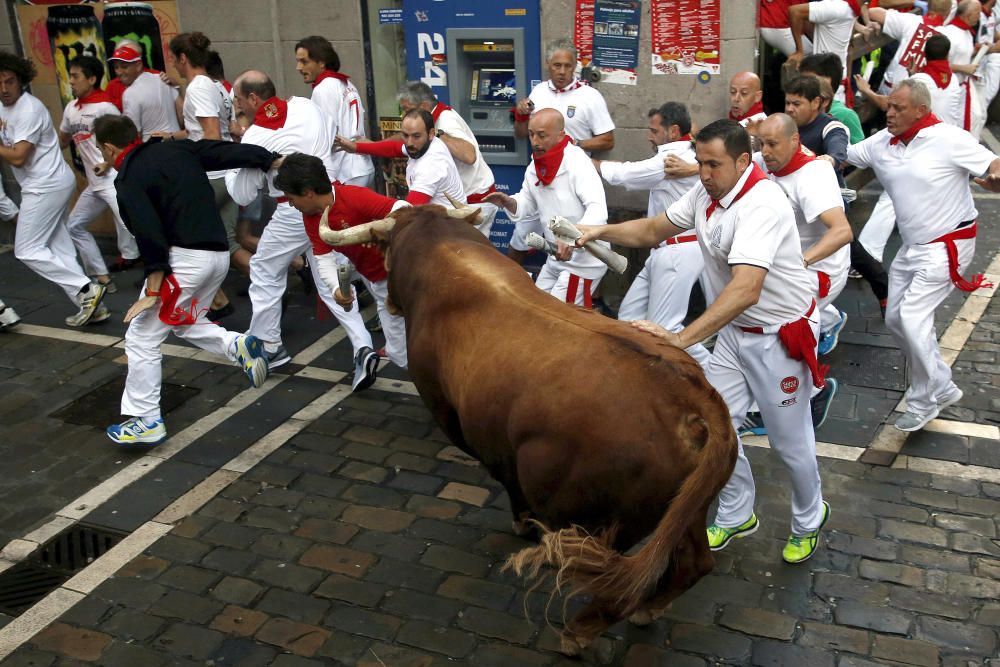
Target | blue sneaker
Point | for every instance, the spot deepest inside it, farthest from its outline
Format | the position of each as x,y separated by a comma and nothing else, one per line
753,425
820,403
135,431
828,339
250,356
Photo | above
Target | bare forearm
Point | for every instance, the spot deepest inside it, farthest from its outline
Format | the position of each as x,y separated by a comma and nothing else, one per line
602,142
829,243
639,233
735,298
460,149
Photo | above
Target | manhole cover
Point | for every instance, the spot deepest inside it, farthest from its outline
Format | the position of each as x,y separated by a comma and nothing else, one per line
52,565
874,367
101,406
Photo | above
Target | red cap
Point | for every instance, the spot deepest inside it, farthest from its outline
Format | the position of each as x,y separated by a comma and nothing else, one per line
126,53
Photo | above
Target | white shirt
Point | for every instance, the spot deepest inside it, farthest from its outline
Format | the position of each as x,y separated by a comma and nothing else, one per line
150,104
434,173
963,47
947,103
29,120
342,103
901,26
205,98
648,175
306,130
812,190
759,230
928,180
577,194
79,123
834,25
476,177
583,108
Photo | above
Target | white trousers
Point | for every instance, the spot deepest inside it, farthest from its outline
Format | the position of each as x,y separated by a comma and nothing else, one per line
662,290
558,282
919,280
781,39
43,242
283,239
829,314
393,326
90,204
199,274
745,367
876,232
990,71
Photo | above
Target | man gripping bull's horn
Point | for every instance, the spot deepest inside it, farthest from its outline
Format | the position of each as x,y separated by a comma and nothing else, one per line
345,213
560,181
766,317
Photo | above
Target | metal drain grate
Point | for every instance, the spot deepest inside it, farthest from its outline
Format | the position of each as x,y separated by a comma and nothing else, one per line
52,565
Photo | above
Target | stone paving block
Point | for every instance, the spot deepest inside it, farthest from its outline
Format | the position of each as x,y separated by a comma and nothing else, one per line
238,621
987,567
407,461
122,654
236,590
365,494
367,436
70,641
233,561
244,653
231,535
879,619
643,655
908,651
132,593
189,641
143,567
380,654
414,482
364,622
464,493
316,462
732,591
450,559
295,606
446,532
271,474
192,526
179,549
428,447
280,547
189,578
89,612
758,622
27,657
298,638
186,606
364,593
322,530
834,638
345,648
286,575
224,509
338,559
989,615
407,575
974,544
492,654
132,625
389,544
961,636
894,572
772,574
930,498
271,518
911,532
779,654
958,485
414,604
692,608
324,508
983,506
427,636
897,511
727,646
363,472
477,592
377,518
498,625
930,603
277,497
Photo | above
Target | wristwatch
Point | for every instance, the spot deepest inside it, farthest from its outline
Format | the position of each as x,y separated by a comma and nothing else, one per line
439,133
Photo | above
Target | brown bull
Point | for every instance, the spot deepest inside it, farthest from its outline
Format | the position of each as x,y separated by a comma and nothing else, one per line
594,428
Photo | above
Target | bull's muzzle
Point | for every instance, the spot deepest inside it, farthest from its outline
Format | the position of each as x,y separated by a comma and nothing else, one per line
352,235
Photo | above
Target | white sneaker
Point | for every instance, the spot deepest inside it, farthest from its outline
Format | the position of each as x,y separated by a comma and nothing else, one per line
110,287
953,397
89,301
102,314
8,318
912,421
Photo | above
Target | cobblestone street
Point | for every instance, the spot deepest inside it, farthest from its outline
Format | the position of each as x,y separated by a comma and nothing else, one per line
302,525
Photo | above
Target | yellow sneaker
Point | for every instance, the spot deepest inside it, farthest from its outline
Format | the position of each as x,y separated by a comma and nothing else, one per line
719,538
800,548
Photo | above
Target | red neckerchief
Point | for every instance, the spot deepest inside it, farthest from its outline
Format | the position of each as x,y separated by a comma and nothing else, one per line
128,149
855,7
933,20
755,177
927,121
328,74
439,109
272,114
547,165
801,157
228,86
93,97
987,12
577,83
959,23
939,71
754,110
686,137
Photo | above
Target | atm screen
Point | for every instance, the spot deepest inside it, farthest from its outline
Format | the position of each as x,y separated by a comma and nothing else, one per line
494,86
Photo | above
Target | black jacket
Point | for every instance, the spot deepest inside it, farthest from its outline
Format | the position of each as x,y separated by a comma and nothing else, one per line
166,200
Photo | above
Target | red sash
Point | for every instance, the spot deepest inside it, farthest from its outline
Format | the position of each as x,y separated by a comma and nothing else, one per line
755,177
547,165
799,342
170,313
967,232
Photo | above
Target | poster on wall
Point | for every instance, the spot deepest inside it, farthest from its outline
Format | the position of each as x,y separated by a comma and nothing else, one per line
583,32
686,37
616,40
55,33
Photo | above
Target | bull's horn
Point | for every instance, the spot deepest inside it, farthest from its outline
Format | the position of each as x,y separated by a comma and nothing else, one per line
351,235
470,214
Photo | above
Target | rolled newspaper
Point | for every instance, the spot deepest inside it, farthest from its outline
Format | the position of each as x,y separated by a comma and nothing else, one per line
344,278
538,242
566,230
979,54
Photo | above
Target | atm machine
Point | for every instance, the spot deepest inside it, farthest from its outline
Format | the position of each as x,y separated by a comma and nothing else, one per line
479,58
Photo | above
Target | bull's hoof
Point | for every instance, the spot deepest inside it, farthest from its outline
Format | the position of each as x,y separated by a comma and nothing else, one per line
572,645
642,618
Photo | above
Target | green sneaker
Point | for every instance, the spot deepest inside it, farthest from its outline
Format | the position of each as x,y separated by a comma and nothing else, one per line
719,538
800,548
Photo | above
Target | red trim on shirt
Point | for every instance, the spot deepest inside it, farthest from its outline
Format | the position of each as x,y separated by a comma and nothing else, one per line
418,198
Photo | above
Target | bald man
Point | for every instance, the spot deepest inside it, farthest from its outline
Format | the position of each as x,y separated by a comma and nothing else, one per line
294,126
560,180
745,96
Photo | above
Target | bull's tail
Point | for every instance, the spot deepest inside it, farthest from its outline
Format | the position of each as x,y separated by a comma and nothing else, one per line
589,564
